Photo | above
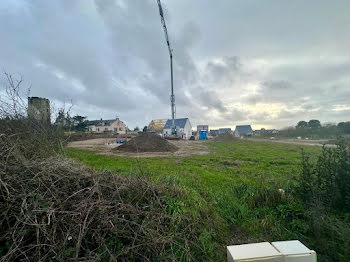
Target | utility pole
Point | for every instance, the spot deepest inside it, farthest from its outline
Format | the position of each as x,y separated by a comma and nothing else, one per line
172,96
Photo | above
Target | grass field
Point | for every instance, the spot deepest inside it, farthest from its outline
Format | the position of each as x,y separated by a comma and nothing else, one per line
238,182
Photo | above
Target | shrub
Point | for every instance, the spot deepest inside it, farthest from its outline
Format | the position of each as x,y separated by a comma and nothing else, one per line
328,180
56,210
324,190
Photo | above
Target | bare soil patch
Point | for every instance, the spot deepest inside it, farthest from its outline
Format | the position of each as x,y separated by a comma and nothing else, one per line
185,148
81,136
102,143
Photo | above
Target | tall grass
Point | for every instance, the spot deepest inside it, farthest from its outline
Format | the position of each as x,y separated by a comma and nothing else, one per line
240,182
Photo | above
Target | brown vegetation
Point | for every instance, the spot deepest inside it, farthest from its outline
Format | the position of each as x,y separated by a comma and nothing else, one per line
54,209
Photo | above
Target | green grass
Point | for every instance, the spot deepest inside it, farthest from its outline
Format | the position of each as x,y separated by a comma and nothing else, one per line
237,181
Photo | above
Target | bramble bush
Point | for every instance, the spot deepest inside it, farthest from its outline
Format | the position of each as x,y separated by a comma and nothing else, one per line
328,179
324,190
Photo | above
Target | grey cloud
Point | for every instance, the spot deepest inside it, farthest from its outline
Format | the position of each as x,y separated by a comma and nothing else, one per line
111,58
60,45
254,99
210,99
283,85
223,72
235,115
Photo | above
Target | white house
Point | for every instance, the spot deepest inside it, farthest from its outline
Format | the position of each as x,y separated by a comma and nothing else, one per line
183,128
107,126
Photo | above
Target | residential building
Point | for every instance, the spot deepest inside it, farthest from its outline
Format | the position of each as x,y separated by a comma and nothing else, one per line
245,130
183,127
107,126
156,126
225,130
214,132
264,131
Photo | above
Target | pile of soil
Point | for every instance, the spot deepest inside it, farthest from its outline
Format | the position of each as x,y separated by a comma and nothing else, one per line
225,138
147,142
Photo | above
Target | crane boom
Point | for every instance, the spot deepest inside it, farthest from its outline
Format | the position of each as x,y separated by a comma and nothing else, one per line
164,27
172,96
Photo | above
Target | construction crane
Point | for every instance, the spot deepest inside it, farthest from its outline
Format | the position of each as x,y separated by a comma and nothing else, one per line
172,96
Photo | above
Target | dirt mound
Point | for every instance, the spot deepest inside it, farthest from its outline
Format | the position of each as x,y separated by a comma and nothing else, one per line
225,138
147,142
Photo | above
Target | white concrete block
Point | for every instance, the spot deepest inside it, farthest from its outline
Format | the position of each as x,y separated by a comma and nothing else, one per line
295,251
257,252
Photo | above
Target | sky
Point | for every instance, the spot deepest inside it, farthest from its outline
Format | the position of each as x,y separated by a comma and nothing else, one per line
265,63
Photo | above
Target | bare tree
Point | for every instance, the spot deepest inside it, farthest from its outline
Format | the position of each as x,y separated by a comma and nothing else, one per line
12,102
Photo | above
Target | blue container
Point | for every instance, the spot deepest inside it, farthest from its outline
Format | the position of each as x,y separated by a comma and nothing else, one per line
203,135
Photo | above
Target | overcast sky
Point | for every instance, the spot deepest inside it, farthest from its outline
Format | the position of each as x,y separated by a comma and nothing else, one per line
265,63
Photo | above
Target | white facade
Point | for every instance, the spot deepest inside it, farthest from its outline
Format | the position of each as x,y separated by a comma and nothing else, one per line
184,131
108,126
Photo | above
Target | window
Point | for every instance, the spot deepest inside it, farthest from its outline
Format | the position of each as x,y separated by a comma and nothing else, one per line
98,129
120,128
115,129
106,129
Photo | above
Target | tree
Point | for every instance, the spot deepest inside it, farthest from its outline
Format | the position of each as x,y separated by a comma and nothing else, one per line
63,119
60,119
301,124
344,127
79,123
314,123
137,129
78,119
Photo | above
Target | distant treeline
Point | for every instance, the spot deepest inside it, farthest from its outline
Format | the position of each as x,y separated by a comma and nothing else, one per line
315,130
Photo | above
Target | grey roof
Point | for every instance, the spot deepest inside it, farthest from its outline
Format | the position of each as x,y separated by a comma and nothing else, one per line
244,129
101,122
180,122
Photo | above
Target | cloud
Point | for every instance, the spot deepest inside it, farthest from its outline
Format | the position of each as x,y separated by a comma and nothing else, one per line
243,61
209,99
277,85
223,70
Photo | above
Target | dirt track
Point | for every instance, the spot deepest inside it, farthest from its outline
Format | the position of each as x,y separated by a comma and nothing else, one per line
93,143
186,148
